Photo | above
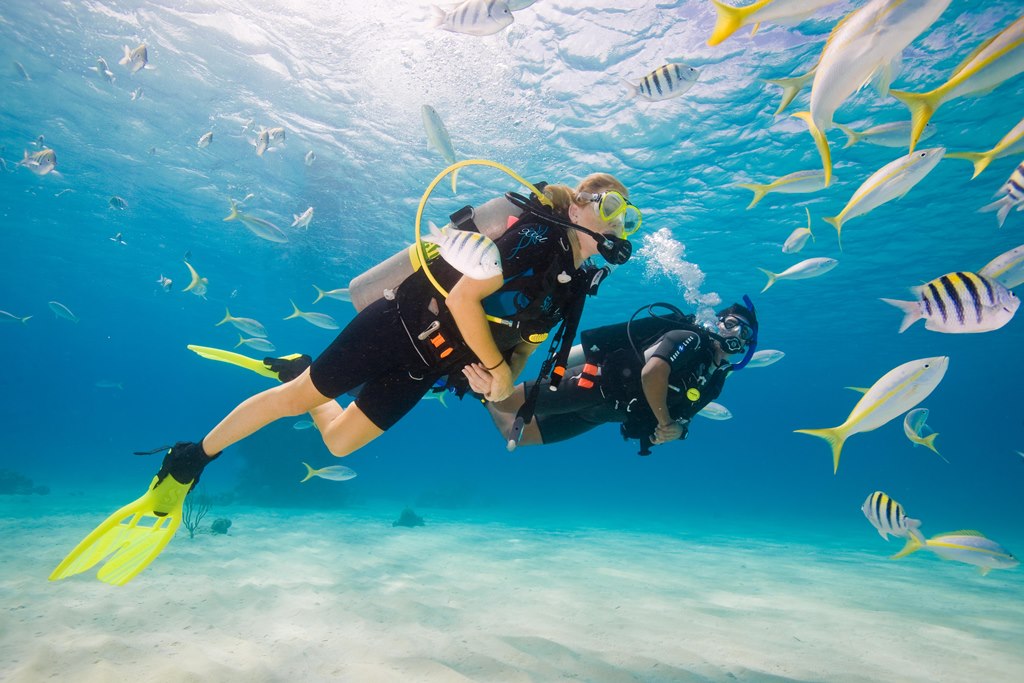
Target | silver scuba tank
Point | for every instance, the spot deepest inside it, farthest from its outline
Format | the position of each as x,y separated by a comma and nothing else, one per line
492,220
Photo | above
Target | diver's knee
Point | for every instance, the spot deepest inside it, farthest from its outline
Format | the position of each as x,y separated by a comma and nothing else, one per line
298,397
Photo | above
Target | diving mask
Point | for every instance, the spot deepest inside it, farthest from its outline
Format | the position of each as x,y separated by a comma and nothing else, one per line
613,208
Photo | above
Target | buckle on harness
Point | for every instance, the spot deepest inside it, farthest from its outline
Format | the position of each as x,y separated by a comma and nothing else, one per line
463,219
625,405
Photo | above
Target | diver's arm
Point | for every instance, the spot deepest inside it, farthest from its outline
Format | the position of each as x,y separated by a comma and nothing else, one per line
520,354
465,302
654,378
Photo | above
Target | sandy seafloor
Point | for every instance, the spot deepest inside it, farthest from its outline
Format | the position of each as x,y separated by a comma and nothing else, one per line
483,596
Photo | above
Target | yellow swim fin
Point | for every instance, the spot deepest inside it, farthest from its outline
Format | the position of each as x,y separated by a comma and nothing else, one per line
257,366
135,535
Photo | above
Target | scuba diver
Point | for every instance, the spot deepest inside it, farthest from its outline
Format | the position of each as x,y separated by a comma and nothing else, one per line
651,375
420,320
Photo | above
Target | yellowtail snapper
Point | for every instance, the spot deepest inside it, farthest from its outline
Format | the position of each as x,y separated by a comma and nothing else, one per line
968,546
1007,269
334,473
62,311
248,325
261,228
958,303
319,319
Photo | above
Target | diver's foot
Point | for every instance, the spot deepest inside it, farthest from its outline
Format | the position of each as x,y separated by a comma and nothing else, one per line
185,462
290,367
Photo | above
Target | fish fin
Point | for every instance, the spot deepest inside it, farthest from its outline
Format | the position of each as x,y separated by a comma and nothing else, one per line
852,136
435,236
227,317
929,442
196,280
759,192
809,231
241,340
753,31
127,56
911,312
319,294
859,390
837,223
885,536
913,545
24,321
820,141
922,106
981,160
914,528
731,19
791,87
309,473
455,175
771,279
295,313
437,17
984,570
1003,205
234,211
835,438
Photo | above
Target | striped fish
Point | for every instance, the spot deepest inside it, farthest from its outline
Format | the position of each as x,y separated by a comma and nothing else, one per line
888,516
472,254
666,82
959,303
474,17
967,546
1012,193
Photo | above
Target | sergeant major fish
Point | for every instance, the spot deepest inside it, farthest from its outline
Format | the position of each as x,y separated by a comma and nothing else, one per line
889,518
474,255
957,303
135,59
41,163
1012,193
896,392
262,142
474,17
248,325
334,473
666,82
118,203
319,319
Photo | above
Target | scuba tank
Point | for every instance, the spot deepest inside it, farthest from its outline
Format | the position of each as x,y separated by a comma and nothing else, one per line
493,219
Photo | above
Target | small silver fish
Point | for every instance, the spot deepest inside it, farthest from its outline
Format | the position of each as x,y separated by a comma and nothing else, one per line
889,518
205,139
62,311
334,473
119,238
310,158
319,319
798,238
958,303
258,343
21,71
474,255
303,424
341,294
118,203
812,267
438,137
715,411
302,220
917,430
474,17
250,326
762,359
165,282
135,59
263,229
103,70
247,126
6,317
136,94
666,82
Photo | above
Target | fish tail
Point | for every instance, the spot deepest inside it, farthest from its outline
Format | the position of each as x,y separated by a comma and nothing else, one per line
771,279
837,223
319,295
455,175
922,106
295,313
981,160
24,321
809,231
310,472
791,87
438,16
753,31
227,317
234,212
929,442
127,56
913,545
911,312
835,437
852,136
1003,206
730,19
241,340
820,141
914,528
435,236
759,192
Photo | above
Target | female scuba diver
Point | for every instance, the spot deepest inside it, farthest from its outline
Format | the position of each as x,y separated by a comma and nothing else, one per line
651,375
399,345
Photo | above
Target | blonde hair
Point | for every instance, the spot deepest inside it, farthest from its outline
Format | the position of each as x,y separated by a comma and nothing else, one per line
563,195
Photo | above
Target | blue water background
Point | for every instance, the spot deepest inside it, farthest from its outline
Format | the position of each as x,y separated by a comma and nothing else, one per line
545,97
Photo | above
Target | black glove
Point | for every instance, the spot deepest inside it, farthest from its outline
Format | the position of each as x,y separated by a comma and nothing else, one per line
185,462
288,369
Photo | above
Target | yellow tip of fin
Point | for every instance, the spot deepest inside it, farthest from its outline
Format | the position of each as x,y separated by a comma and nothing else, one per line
912,546
730,19
771,279
922,106
820,141
835,439
837,223
309,473
981,160
759,192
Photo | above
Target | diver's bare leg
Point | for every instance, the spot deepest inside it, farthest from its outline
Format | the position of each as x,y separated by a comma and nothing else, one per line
503,413
344,431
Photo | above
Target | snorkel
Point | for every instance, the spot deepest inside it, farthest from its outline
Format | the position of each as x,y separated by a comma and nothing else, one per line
752,344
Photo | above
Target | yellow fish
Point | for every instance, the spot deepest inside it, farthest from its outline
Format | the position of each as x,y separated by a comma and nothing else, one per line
198,284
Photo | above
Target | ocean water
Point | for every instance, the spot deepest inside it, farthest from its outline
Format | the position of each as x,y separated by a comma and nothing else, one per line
547,97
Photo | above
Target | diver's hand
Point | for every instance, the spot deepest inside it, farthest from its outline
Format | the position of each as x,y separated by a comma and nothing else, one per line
479,379
502,383
666,432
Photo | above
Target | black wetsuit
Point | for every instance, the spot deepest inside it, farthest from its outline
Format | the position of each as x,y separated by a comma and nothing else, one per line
382,348
617,394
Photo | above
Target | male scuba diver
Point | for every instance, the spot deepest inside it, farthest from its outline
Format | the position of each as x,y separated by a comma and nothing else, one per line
651,375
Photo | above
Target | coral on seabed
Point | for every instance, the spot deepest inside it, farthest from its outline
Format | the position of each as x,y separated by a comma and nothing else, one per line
220,525
408,518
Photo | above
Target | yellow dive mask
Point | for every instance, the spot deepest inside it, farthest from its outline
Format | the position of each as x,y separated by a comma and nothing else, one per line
612,207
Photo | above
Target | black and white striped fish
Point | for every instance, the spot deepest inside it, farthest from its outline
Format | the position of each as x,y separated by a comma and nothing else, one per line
472,254
1011,195
474,17
886,515
959,303
666,82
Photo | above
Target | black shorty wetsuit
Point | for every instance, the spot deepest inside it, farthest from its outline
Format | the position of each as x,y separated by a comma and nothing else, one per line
617,394
381,348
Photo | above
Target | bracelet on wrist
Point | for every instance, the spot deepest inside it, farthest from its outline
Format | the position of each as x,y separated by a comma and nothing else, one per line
495,366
